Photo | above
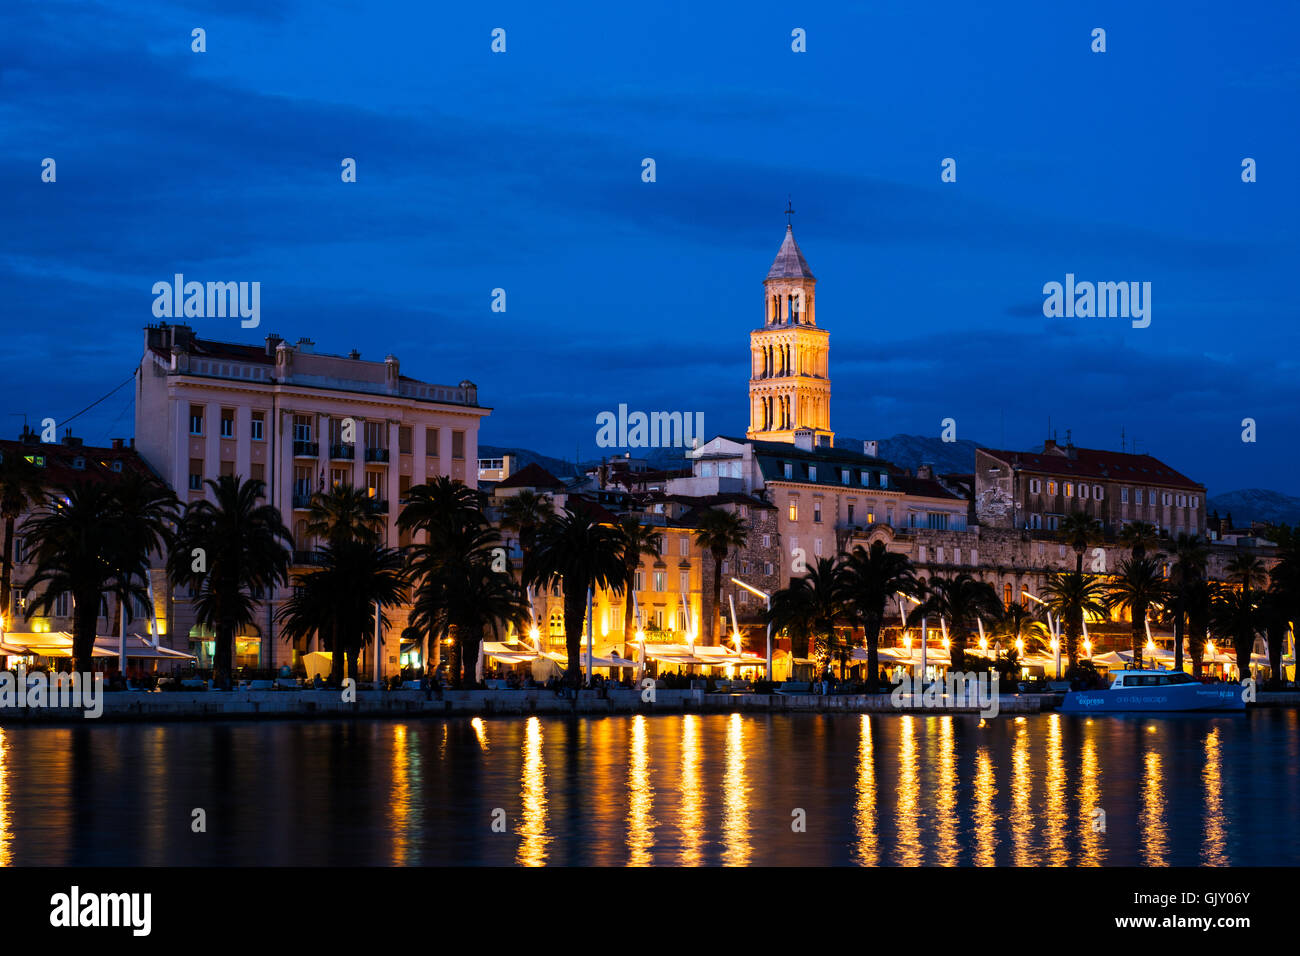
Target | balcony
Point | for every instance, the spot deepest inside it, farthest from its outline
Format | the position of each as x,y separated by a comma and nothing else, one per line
308,559
343,452
301,501
376,454
378,505
306,449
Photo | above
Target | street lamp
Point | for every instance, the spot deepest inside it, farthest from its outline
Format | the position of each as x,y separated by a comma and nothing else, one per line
925,634
768,598
1055,628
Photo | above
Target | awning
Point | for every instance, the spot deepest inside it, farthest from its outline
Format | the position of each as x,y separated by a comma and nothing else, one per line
503,653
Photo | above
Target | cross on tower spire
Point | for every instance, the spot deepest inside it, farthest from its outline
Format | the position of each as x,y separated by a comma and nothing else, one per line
789,210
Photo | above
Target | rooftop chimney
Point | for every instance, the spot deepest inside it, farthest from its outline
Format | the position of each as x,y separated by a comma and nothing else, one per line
117,444
305,345
272,342
871,448
354,355
803,438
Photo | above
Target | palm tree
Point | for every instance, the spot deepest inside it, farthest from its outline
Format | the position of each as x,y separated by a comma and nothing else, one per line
580,554
344,514
811,608
147,514
1235,614
1284,588
463,599
1016,622
719,532
1190,556
1070,595
1139,535
1138,584
20,489
1197,603
227,550
340,598
962,601
871,579
523,514
443,508
636,539
1081,531
1248,571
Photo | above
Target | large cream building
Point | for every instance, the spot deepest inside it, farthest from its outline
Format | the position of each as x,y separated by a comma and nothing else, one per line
301,421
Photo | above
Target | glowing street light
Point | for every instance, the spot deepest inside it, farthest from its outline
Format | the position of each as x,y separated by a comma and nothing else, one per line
768,598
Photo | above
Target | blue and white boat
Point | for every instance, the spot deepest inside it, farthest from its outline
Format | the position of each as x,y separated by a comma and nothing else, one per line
1144,691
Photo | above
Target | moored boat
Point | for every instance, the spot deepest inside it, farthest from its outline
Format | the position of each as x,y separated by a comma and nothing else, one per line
1154,692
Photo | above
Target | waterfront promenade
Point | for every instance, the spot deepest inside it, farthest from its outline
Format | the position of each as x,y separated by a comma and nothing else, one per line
307,704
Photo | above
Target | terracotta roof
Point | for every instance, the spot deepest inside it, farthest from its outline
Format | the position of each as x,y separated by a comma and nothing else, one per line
532,476
1095,463
789,262
57,462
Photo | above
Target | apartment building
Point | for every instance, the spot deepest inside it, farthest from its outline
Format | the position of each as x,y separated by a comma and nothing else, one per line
301,421
1037,490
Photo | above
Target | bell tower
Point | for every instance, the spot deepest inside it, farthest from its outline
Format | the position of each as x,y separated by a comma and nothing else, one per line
789,383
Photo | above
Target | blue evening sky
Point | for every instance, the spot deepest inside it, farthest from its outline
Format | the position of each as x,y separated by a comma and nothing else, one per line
523,171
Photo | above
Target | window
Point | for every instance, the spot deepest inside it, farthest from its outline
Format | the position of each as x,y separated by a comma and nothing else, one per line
1098,492
794,511
681,619
338,477
79,464
788,468
794,544
767,541
639,582
458,444
1035,486
683,581
375,484
196,419
845,474
659,619
227,423
871,517
1051,487
431,443
817,511
1006,594
812,472
256,425
1083,491
196,474
767,568
866,478
660,581
1182,500
937,520
1069,489
938,555
1137,496
228,469
884,479
258,471
1196,502
817,547
850,512
63,604
301,481
1123,496
404,439
302,428
1053,522
403,486
1036,521
684,546
1168,499
375,434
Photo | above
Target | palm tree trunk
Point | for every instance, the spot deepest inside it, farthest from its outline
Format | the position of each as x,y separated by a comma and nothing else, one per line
1072,629
872,635
1138,633
1276,637
627,607
83,631
575,603
222,660
469,656
1179,628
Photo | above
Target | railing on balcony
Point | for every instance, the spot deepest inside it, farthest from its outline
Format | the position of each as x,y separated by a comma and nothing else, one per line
340,450
376,454
309,558
306,449
301,500
379,505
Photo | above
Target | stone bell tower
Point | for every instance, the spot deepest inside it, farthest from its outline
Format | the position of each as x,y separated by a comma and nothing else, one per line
789,384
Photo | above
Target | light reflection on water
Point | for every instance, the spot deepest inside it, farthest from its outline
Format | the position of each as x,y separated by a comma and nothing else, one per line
715,789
